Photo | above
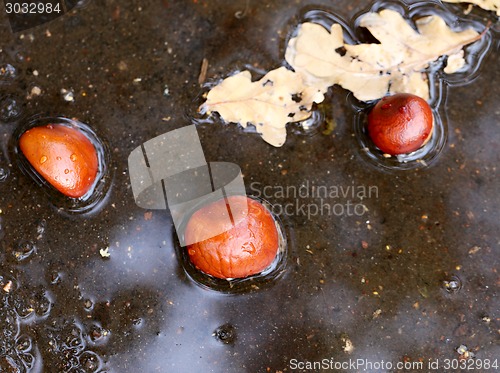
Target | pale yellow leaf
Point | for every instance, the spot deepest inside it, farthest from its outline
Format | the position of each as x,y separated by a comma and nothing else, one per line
493,5
278,98
370,71
320,59
454,63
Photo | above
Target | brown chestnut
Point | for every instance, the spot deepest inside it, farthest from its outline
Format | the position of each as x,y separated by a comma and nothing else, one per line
244,249
400,124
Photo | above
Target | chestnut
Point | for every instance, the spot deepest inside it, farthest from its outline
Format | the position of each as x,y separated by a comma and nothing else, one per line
247,248
64,156
400,124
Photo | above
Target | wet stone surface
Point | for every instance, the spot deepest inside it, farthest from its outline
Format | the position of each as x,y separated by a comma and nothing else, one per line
413,278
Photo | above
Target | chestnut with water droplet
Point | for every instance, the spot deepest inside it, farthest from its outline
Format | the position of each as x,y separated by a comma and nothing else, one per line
400,124
245,248
64,156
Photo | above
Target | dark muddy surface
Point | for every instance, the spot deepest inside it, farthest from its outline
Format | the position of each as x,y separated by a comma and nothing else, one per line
413,277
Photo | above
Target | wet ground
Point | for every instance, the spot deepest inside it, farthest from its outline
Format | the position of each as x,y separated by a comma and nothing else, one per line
411,278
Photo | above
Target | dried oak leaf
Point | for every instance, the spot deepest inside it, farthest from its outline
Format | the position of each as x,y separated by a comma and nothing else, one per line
270,103
370,71
321,59
493,5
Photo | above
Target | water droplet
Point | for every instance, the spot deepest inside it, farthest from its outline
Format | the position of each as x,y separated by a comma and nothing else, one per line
73,157
225,334
58,158
43,159
453,285
386,106
66,171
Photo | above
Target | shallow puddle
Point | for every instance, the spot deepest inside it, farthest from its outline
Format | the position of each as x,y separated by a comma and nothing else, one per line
384,263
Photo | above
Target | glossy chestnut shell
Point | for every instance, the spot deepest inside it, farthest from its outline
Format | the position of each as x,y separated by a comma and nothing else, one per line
244,249
64,156
400,124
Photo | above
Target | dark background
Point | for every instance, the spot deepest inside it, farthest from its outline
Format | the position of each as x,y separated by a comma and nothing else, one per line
376,280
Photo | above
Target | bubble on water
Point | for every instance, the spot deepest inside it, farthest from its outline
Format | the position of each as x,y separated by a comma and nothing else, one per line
41,226
15,348
23,344
10,108
20,57
65,336
9,329
28,360
10,364
29,302
9,324
23,250
453,284
55,278
137,321
68,95
88,305
66,348
7,72
97,334
225,333
4,174
90,362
